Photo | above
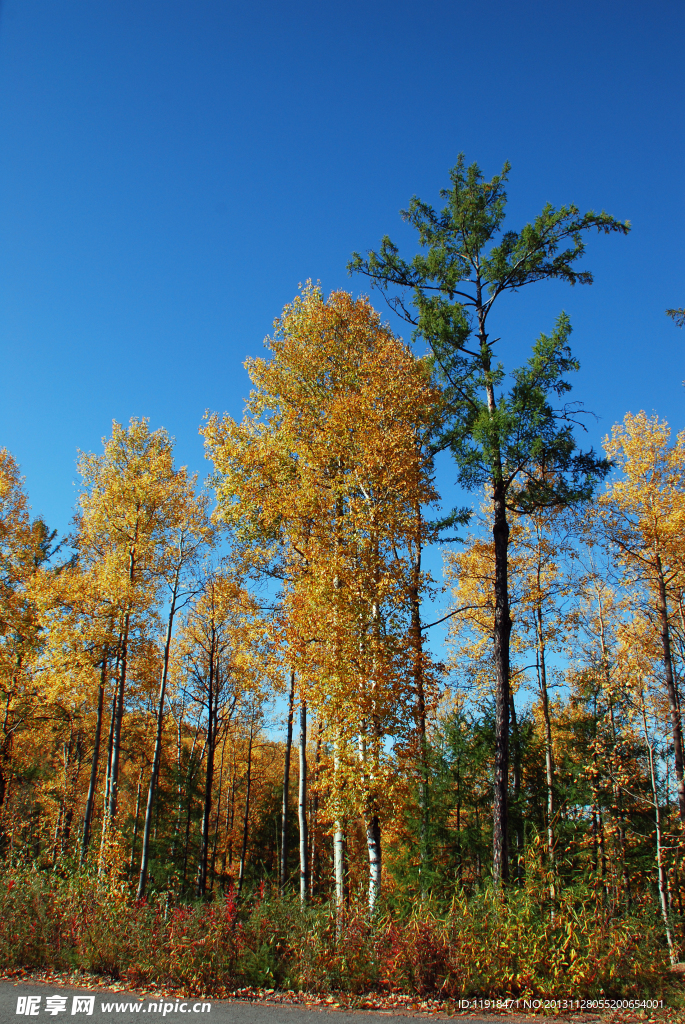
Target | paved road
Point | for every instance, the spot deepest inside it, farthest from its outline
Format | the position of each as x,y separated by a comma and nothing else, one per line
43,1003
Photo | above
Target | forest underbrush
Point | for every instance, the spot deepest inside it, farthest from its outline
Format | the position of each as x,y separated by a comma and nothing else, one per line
484,946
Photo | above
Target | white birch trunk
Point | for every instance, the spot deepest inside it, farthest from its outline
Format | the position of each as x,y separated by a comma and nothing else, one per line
373,839
302,803
663,882
338,854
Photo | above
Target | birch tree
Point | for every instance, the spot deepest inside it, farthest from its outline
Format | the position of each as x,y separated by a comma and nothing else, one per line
189,536
25,546
128,504
643,516
329,466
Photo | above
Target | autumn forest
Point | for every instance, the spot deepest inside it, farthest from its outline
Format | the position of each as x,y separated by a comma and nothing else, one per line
232,751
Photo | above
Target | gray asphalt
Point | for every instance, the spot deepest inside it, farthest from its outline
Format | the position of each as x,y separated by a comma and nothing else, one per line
20,1001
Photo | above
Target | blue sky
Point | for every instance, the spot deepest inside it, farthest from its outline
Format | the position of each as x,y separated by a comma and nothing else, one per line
171,170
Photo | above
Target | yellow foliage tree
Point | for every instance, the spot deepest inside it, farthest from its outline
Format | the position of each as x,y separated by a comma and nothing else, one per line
643,515
328,472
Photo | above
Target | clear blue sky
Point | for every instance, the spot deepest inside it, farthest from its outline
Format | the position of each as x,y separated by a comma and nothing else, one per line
170,170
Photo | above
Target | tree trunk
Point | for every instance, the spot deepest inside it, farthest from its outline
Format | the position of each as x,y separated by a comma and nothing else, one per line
549,753
516,788
179,784
339,868
283,868
663,883
338,833
108,775
92,785
186,845
502,631
676,726
314,856
135,823
116,747
116,744
302,804
73,787
230,814
338,854
157,756
416,635
373,840
502,628
190,775
618,795
246,817
110,738
218,812
212,687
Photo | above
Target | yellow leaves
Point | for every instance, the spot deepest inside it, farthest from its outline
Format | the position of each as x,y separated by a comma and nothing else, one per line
538,583
22,548
325,479
224,629
128,496
643,510
20,540
138,516
340,404
14,518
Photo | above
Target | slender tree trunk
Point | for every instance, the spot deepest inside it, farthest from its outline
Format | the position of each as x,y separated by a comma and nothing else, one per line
59,827
186,845
283,872
135,824
460,851
213,685
116,745
602,856
157,756
618,795
338,833
71,796
479,862
416,635
179,784
302,803
230,818
620,813
502,628
663,883
314,857
676,726
502,631
373,840
110,738
108,775
373,825
339,867
246,816
92,785
549,753
190,776
516,790
338,851
6,754
218,812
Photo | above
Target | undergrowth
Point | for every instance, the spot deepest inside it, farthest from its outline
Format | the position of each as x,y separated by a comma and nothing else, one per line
486,946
